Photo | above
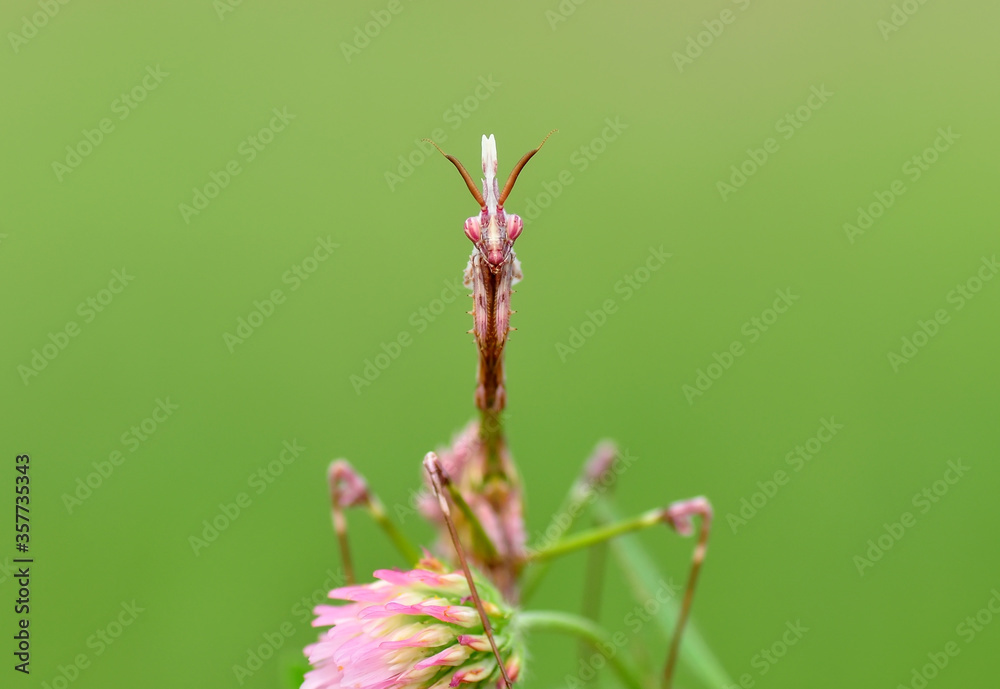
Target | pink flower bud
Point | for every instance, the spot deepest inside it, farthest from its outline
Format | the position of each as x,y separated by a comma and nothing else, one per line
347,487
411,630
679,514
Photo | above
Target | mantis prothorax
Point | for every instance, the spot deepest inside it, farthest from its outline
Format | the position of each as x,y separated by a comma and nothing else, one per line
477,476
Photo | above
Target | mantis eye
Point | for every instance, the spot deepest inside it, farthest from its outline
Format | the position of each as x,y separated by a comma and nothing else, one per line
514,226
472,229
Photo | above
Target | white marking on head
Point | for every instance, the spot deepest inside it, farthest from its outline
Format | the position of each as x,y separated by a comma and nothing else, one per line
490,172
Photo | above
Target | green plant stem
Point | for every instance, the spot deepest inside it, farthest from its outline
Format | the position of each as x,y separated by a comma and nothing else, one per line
597,535
478,532
643,578
573,505
589,631
593,579
406,549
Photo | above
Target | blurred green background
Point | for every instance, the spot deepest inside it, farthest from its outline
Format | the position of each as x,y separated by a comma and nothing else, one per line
185,89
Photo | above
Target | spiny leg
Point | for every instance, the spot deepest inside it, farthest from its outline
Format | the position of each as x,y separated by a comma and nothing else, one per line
678,516
598,469
439,480
349,489
601,464
346,487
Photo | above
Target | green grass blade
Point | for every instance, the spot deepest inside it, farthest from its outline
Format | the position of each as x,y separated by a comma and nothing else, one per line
644,577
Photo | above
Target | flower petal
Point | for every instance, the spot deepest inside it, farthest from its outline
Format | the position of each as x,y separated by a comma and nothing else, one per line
454,614
453,655
450,582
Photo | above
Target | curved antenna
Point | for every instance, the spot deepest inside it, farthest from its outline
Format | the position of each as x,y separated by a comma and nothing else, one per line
465,174
520,164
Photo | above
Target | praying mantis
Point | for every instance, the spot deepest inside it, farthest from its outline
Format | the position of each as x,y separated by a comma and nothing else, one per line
475,493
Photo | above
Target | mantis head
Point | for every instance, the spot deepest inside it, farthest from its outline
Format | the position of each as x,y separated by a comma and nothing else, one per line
493,231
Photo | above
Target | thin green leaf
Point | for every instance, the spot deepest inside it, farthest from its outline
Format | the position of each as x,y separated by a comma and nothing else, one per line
644,579
294,670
